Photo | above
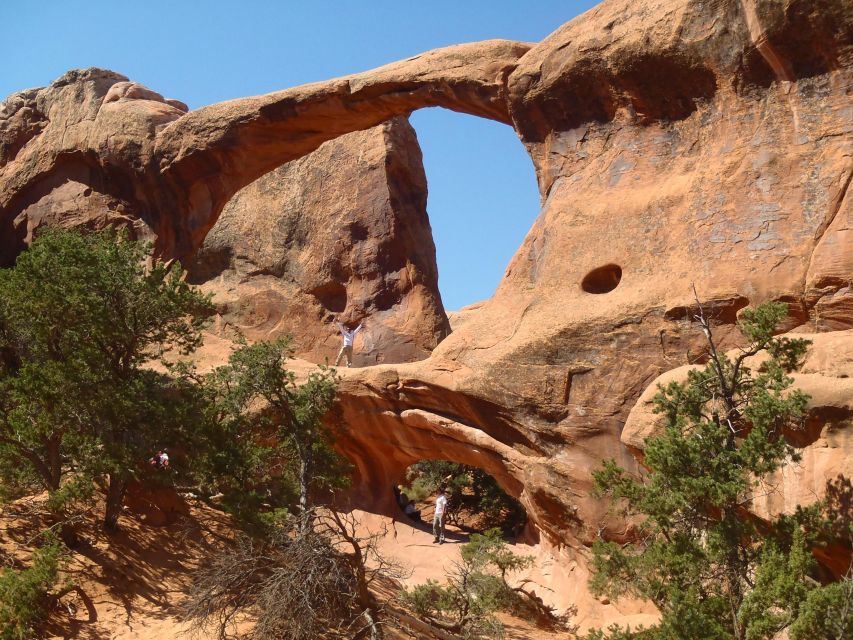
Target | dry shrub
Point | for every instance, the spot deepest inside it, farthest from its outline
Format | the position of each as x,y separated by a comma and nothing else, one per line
296,584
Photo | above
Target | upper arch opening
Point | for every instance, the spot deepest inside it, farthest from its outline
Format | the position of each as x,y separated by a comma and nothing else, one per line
483,197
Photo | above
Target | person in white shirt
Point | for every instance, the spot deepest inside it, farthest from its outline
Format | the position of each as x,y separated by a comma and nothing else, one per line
160,459
438,516
346,349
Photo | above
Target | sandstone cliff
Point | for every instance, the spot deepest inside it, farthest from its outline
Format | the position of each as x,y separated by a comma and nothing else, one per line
341,233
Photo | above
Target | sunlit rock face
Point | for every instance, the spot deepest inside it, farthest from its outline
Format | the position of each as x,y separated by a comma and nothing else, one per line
341,233
677,143
675,146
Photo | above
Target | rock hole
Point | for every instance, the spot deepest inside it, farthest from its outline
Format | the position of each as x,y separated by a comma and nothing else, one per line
359,231
603,279
332,295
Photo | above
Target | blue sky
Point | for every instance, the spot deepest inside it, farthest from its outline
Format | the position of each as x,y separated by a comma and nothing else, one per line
483,196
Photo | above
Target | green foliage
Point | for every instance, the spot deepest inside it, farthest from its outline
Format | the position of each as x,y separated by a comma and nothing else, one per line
81,317
475,590
490,550
779,587
267,446
73,490
468,487
427,475
827,613
469,607
615,632
712,569
497,507
24,593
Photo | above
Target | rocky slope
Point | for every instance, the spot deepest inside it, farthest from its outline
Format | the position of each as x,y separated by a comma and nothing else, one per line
676,143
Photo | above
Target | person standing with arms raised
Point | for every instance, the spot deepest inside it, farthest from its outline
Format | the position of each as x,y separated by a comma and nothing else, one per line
348,336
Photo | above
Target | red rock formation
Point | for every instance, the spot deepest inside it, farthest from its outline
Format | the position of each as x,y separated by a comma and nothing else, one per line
341,233
676,142
72,154
174,181
666,147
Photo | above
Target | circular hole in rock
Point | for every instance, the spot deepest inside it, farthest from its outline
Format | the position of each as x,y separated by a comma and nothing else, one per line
602,280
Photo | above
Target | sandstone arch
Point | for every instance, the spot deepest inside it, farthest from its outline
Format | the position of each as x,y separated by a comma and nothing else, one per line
175,171
212,152
685,141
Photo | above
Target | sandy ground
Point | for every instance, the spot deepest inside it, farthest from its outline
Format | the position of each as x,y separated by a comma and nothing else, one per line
130,584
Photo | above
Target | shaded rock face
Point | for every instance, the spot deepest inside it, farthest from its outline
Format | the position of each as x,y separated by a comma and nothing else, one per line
676,143
341,233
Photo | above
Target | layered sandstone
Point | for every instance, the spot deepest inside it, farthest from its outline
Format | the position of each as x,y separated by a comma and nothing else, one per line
677,144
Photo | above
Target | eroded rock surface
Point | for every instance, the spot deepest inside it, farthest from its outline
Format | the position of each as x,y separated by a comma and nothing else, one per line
340,234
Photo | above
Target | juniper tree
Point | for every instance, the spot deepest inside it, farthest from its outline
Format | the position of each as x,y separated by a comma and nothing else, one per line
81,318
476,588
25,593
272,427
714,570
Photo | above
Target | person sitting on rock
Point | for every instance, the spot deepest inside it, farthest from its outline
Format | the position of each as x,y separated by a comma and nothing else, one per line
408,507
438,516
346,349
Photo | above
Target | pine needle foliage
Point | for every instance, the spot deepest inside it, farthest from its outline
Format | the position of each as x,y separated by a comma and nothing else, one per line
714,570
82,317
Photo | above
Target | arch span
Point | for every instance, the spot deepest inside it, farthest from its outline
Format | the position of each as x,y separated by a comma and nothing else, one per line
392,421
171,172
207,155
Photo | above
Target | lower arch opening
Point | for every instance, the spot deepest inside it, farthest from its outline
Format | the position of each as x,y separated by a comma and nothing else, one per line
475,502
